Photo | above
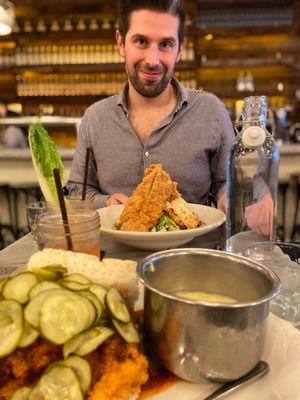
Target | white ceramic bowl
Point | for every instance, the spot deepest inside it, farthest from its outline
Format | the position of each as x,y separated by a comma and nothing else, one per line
212,217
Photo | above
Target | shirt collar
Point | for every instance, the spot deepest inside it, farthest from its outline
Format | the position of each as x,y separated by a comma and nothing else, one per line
182,95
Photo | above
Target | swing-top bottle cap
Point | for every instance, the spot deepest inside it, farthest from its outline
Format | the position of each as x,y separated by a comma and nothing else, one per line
253,136
254,114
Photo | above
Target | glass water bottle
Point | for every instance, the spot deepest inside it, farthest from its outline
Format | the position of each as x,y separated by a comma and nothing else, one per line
252,176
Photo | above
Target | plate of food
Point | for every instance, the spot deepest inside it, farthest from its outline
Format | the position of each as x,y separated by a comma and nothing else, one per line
105,365
156,216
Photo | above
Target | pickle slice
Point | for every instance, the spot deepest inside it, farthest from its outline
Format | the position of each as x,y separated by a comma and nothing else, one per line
29,335
11,326
33,308
47,274
98,291
127,331
19,286
116,305
95,301
87,341
21,394
76,277
59,383
75,286
57,268
2,283
41,287
64,315
82,370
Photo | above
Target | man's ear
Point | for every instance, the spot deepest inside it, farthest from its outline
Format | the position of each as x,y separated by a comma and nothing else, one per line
182,46
120,43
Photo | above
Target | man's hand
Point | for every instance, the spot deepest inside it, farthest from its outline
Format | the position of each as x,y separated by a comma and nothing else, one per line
117,198
221,205
260,216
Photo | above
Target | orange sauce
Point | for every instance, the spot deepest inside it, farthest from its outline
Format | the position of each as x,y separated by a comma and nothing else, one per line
159,379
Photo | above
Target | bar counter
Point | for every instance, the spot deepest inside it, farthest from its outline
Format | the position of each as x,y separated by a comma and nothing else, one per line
16,164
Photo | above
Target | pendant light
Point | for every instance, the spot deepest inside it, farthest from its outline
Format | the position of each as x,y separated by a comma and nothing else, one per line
7,17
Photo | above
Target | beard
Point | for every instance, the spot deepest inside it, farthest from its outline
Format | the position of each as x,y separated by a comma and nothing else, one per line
149,88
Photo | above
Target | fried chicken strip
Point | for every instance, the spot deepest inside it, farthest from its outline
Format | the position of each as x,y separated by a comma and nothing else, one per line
148,200
182,214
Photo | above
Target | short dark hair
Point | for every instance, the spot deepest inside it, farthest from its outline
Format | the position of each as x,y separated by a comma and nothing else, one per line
174,7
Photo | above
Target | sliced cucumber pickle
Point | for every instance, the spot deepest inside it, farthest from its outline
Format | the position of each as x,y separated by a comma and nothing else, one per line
64,315
32,309
87,341
41,287
57,383
116,305
82,370
75,286
74,343
2,283
96,303
57,268
21,394
94,339
76,277
98,291
127,331
29,335
19,286
47,274
11,326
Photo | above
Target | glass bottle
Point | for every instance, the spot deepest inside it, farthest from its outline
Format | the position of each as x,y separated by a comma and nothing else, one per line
252,176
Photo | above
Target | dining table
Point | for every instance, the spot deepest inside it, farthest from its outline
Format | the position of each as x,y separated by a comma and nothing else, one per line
282,347
18,253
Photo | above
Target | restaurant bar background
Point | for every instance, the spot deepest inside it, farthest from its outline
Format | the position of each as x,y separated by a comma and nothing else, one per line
61,56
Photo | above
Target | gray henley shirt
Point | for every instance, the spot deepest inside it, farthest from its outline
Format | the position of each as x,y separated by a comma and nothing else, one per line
192,144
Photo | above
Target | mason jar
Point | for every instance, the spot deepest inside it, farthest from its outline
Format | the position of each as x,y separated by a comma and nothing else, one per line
80,234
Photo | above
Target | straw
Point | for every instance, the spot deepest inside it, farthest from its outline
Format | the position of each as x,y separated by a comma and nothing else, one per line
86,171
63,210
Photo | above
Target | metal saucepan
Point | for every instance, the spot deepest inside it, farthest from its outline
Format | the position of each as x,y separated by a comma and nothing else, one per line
196,339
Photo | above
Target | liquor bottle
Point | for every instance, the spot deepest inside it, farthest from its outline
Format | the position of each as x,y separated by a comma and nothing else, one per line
252,176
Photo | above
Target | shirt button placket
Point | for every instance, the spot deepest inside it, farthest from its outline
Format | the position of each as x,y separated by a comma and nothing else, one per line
146,159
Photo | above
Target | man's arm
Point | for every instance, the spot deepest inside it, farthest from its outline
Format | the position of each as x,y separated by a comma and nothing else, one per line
260,216
75,182
221,204
225,137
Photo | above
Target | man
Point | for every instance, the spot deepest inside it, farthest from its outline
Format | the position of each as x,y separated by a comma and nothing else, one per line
155,119
13,136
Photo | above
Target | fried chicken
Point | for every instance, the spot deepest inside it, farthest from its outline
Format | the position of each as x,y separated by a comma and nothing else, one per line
24,366
148,200
182,214
123,370
119,369
153,196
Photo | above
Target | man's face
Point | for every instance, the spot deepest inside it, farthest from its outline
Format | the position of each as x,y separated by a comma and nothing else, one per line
151,50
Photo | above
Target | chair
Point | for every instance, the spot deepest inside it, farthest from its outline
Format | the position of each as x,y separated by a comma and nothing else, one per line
30,193
281,228
296,225
6,228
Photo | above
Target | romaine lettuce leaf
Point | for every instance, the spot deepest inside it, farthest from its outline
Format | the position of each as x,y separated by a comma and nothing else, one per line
166,223
45,158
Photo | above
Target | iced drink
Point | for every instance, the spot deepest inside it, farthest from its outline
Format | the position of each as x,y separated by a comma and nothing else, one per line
81,234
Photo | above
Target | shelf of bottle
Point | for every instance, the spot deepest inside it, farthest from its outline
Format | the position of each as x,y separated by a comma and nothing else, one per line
52,36
84,68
